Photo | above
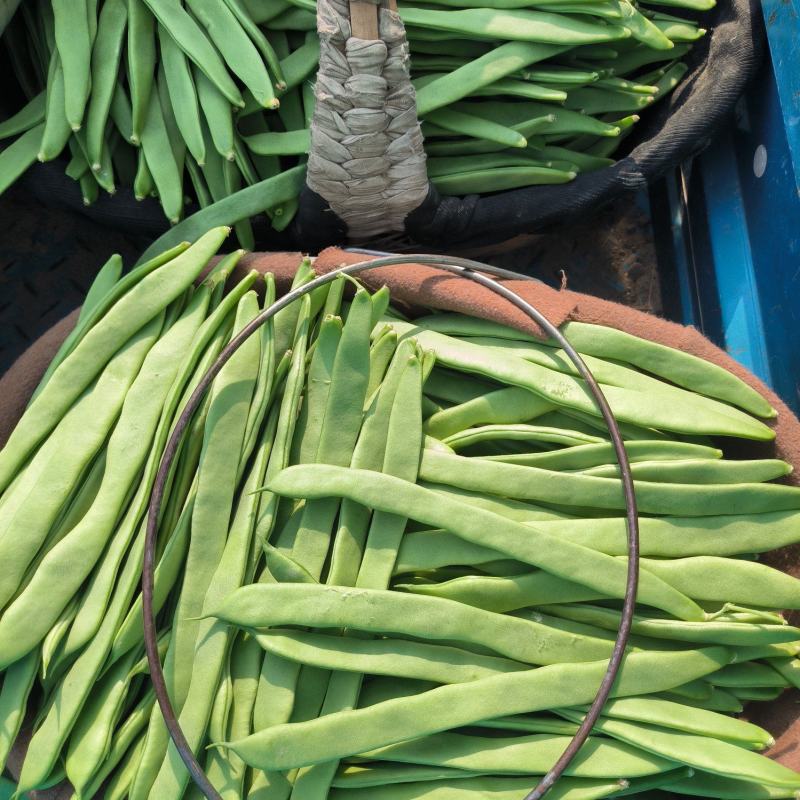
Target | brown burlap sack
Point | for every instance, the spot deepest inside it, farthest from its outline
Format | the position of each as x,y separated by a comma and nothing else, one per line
422,287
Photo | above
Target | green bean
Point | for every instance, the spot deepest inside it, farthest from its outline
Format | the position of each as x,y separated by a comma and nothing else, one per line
79,436
90,741
106,55
503,406
67,565
19,156
300,63
312,412
161,160
246,203
499,788
279,144
500,179
132,310
371,453
728,633
121,113
561,120
720,701
560,557
522,433
182,94
354,776
70,694
224,437
583,161
248,21
526,26
728,580
346,733
405,615
706,784
529,755
758,694
143,185
456,387
684,537
438,663
17,685
74,49
119,785
29,116
682,717
700,471
505,594
56,634
235,46
563,488
678,366
380,356
531,724
749,675
103,283
141,64
463,123
190,38
228,774
677,30
702,752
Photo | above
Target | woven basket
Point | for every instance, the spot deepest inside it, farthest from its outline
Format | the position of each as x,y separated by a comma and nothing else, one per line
426,288
347,198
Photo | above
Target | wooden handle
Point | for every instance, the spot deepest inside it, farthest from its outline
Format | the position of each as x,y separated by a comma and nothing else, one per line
364,20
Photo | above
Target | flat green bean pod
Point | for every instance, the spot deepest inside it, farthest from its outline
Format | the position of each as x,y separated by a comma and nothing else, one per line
347,733
354,776
376,611
702,752
528,755
499,788
392,657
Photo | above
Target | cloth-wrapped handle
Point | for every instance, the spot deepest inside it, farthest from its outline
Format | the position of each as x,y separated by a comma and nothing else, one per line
367,158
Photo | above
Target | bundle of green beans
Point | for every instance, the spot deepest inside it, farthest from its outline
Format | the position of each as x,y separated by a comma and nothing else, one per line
201,99
391,554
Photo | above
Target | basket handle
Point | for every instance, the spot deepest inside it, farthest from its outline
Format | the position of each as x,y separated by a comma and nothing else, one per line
367,158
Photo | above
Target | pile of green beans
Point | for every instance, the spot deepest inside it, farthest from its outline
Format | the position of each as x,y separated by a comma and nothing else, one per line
195,102
392,555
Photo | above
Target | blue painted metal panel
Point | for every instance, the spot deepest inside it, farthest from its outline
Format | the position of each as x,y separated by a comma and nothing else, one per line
750,214
782,19
736,281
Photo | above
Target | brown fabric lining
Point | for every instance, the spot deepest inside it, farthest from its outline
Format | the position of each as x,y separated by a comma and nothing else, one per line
425,287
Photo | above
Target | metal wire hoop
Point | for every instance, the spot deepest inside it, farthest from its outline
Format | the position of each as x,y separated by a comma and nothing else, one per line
471,270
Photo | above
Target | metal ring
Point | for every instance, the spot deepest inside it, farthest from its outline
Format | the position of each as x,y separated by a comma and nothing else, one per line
471,270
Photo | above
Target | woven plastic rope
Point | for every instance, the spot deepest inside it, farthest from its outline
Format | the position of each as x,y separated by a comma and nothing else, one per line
367,158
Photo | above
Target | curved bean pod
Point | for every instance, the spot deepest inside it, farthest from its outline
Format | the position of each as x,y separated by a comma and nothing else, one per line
350,732
391,657
377,611
524,755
